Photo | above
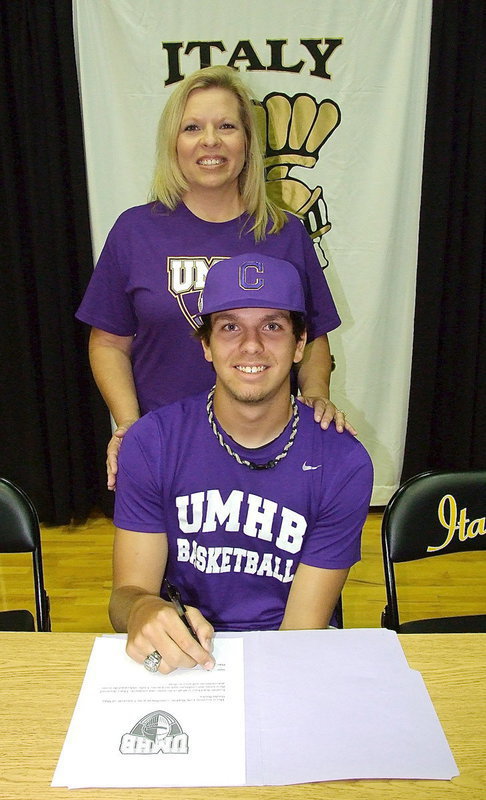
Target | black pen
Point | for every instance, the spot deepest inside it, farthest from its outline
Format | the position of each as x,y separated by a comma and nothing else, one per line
175,599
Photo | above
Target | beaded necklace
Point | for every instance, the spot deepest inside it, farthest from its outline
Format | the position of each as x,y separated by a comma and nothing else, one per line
251,464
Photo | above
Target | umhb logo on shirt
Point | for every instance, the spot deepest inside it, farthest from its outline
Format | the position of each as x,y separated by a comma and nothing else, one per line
254,516
186,279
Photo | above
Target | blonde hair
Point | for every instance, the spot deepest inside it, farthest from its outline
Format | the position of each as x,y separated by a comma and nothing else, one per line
169,184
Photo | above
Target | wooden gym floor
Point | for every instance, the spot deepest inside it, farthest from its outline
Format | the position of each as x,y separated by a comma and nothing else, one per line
77,572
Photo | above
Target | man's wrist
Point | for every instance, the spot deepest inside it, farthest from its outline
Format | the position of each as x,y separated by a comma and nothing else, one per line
125,602
145,600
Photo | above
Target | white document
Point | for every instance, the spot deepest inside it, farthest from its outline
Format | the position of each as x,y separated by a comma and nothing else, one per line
316,706
133,728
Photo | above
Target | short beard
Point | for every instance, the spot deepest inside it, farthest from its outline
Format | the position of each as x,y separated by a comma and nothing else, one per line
249,399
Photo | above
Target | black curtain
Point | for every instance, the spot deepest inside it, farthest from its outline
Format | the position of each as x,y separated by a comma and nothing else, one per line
54,426
447,413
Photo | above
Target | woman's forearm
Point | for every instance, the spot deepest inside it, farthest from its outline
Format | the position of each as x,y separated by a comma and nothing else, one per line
315,369
109,356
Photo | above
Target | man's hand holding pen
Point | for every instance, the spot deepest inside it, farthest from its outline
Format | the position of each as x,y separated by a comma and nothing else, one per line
164,637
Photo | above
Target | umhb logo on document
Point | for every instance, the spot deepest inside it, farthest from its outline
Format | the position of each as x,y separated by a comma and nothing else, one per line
157,732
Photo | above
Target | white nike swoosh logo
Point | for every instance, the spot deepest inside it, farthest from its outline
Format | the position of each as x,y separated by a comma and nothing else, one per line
306,466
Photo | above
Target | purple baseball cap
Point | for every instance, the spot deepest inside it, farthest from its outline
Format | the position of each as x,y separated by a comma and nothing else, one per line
252,280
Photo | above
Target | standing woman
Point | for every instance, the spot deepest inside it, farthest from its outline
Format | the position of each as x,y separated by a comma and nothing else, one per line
208,202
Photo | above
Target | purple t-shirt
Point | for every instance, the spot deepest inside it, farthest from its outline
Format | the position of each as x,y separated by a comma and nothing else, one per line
236,535
148,280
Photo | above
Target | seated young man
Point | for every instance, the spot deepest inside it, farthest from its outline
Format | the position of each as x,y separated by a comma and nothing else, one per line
237,497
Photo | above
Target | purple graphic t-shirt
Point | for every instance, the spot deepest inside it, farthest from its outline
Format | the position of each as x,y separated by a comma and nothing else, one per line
148,280
236,536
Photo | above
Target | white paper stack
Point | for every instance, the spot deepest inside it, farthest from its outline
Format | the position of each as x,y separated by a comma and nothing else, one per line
279,708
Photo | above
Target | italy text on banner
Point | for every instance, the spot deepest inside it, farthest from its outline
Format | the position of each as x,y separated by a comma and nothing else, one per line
342,90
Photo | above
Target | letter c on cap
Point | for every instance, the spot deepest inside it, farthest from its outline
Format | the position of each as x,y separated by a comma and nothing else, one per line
250,280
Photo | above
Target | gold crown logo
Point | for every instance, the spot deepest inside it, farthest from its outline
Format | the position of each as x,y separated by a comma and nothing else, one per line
293,130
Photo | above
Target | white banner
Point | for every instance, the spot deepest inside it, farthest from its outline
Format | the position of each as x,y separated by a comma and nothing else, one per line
343,91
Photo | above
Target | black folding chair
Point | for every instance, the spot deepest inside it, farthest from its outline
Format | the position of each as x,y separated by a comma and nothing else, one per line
20,533
338,611
432,514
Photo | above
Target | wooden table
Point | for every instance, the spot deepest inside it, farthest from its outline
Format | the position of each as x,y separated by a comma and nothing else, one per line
41,674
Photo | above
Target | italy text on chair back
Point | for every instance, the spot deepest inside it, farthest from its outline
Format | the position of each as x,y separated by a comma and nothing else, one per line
432,514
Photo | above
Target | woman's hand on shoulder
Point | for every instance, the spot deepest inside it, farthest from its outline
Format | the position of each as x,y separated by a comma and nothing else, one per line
326,412
112,452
